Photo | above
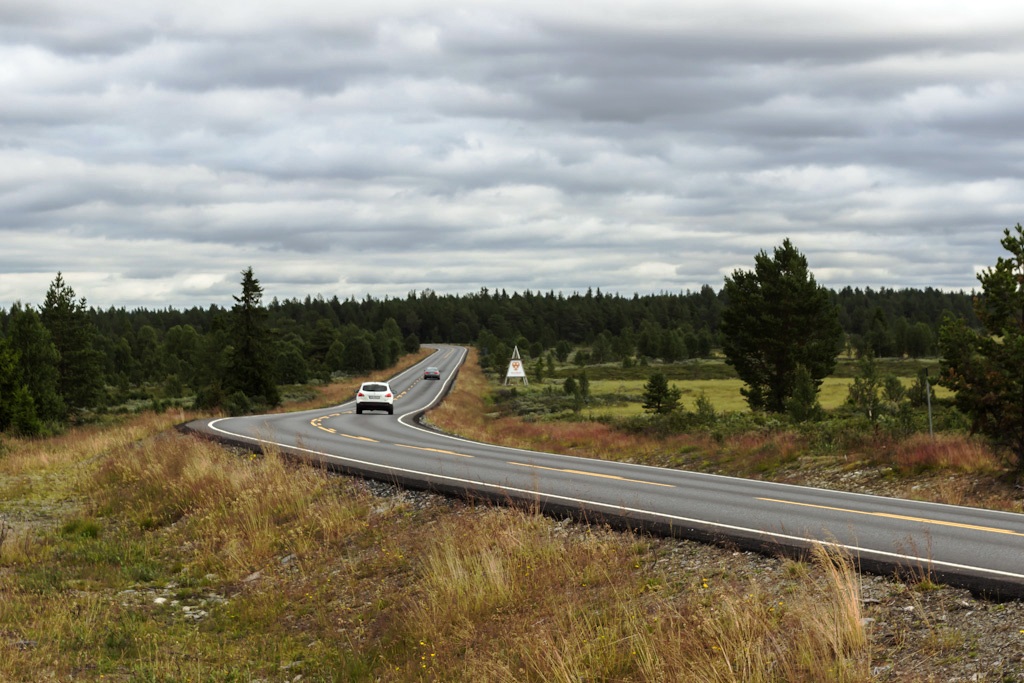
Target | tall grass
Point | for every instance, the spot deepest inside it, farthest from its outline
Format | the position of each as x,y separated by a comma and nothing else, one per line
955,452
298,572
136,553
587,611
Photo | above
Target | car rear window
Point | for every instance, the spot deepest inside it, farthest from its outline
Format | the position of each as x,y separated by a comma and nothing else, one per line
375,387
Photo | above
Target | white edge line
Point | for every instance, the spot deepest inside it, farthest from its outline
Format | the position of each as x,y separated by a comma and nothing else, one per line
776,484
582,501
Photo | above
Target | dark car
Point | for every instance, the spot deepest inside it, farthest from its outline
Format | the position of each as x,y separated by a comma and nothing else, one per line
431,373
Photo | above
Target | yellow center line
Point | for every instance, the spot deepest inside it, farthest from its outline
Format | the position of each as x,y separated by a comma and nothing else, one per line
433,450
360,438
923,520
591,474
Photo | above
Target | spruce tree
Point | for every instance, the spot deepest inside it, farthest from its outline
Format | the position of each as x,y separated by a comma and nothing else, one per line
39,362
659,398
249,366
80,363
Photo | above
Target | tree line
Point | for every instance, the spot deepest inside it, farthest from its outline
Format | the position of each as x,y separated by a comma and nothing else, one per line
62,359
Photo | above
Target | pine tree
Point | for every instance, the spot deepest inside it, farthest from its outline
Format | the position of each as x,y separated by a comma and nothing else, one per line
776,318
986,368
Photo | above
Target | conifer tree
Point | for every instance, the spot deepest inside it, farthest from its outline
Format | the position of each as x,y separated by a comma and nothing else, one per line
249,366
80,363
38,362
777,317
986,368
659,397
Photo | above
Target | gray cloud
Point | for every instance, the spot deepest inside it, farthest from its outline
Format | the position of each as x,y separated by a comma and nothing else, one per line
151,152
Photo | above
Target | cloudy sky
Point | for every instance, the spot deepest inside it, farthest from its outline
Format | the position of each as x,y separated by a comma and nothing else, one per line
151,151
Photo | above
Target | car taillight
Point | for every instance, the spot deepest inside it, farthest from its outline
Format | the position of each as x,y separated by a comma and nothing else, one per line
387,395
360,394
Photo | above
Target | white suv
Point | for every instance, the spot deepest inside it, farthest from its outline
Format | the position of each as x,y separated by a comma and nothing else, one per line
375,396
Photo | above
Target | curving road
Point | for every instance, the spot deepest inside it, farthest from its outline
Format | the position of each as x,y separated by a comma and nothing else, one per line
982,550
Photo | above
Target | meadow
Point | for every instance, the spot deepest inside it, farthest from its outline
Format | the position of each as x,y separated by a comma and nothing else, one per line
618,391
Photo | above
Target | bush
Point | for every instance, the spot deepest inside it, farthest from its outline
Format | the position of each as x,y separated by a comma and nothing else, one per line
238,404
209,397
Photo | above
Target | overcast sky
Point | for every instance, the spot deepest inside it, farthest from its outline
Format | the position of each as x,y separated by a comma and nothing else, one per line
151,151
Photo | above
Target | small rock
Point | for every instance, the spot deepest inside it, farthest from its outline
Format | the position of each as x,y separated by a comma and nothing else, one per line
159,601
252,577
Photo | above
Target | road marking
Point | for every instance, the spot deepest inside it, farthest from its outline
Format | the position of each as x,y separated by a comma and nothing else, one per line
1015,579
592,474
318,422
434,450
906,518
359,438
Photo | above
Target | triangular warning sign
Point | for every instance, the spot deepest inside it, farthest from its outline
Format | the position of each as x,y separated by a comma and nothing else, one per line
516,368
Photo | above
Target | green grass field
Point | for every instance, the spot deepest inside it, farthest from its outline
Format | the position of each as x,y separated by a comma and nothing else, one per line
610,382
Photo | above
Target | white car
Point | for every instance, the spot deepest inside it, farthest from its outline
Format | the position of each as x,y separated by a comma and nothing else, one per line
375,396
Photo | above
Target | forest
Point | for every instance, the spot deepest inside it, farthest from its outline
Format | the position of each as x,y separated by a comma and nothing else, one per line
62,360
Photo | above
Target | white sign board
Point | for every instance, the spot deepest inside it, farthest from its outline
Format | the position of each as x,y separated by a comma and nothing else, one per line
515,369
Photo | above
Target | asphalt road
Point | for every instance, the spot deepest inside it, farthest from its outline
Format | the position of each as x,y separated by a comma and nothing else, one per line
982,550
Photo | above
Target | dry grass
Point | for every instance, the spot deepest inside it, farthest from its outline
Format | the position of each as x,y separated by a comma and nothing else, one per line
136,553
954,452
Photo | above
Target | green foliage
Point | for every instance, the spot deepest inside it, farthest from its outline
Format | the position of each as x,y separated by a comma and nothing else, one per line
803,405
104,359
659,398
249,370
986,368
704,411
238,403
37,362
290,366
578,389
864,392
79,364
412,343
17,410
776,318
357,356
